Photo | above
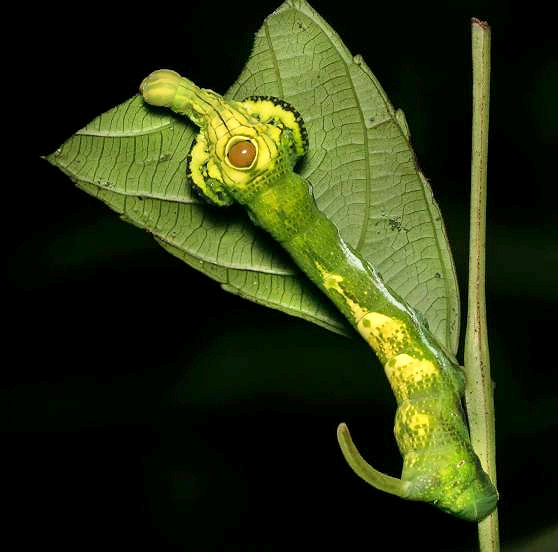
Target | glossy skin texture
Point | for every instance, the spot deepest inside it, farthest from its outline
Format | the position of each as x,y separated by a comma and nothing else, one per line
245,152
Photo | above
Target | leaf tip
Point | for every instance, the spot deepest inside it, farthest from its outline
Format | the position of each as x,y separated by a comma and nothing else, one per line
50,158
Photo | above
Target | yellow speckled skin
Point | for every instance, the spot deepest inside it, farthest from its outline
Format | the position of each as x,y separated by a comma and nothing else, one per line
438,460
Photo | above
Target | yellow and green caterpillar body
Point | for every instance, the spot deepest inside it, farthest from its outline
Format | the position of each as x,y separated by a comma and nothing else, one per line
245,152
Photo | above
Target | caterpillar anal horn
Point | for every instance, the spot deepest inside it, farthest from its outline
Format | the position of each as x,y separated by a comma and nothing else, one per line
364,470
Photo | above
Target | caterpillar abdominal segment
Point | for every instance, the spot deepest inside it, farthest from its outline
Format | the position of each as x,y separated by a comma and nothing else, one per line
439,464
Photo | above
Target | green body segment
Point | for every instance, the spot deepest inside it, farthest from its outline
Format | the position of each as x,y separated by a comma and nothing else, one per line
439,464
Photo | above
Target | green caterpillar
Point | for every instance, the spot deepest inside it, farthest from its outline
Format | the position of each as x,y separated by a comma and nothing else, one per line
245,152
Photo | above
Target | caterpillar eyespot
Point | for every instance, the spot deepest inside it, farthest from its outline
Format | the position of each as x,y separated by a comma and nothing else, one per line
241,153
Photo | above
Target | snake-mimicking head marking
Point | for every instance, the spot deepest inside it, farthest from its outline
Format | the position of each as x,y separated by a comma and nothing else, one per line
240,145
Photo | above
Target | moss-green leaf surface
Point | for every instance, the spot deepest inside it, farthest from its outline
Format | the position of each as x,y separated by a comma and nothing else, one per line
361,166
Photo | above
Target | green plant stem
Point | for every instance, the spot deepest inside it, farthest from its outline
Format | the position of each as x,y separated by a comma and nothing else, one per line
479,388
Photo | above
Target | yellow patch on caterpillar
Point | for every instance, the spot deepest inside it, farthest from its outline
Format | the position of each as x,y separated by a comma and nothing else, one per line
199,157
386,335
404,371
419,424
213,170
333,281
412,427
268,110
356,310
217,129
266,151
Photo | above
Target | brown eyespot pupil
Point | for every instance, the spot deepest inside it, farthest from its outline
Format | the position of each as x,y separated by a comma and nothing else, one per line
242,154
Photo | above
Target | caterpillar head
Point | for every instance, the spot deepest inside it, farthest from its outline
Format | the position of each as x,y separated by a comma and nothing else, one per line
241,146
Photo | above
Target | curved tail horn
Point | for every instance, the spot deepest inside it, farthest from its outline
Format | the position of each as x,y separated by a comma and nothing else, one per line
372,476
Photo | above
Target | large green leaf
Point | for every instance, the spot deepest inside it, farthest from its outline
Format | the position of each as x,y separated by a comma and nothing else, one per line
361,166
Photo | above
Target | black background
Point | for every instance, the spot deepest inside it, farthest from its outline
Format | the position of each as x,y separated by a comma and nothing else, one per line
147,407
